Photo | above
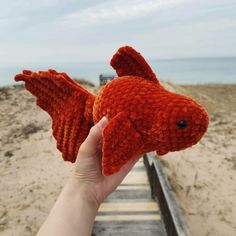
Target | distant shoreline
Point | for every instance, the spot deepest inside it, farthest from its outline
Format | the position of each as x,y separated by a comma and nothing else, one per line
178,71
166,81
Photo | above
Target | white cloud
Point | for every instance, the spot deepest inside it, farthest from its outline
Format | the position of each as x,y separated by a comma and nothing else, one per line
116,11
72,30
214,38
19,14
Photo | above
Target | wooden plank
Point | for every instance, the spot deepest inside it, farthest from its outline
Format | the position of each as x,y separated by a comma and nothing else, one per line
130,210
133,187
139,164
162,190
136,178
129,196
129,207
151,217
129,228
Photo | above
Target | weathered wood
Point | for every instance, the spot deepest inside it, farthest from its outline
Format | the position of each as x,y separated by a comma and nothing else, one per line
162,192
130,210
130,195
126,217
129,228
127,207
104,79
134,187
136,177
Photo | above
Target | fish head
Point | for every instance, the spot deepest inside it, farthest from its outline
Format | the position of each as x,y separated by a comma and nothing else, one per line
180,124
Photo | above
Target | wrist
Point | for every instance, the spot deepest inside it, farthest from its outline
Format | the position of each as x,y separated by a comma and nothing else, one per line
73,213
82,192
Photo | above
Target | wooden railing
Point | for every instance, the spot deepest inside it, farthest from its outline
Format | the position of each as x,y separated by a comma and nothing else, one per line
104,79
163,194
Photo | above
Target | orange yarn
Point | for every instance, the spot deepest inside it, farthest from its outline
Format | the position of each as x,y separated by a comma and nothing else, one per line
143,116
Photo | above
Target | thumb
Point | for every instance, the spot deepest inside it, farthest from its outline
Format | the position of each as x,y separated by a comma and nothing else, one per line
90,145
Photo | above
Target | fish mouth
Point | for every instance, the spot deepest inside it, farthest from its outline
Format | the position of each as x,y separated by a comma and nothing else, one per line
199,132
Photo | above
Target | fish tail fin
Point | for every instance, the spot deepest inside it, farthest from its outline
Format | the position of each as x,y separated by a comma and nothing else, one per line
69,105
127,61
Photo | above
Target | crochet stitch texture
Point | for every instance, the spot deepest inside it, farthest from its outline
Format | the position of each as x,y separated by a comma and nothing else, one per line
143,116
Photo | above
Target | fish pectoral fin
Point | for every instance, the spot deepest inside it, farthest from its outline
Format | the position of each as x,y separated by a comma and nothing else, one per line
121,142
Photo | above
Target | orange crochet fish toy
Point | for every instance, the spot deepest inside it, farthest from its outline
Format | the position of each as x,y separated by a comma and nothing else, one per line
143,116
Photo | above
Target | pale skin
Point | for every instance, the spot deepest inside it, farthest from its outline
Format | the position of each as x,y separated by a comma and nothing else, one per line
76,207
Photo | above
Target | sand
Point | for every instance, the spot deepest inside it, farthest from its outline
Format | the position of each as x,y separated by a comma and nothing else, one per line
204,176
31,169
32,172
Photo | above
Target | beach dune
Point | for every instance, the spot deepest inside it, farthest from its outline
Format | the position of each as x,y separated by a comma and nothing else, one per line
32,171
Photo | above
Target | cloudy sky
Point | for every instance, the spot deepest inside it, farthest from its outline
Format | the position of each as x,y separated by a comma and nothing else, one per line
87,30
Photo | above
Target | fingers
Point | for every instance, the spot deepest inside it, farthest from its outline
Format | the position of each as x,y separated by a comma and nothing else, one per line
90,145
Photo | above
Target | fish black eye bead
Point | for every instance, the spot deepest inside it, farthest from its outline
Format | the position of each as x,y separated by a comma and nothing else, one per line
182,124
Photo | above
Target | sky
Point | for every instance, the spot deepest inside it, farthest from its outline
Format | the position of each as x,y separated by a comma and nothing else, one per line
60,31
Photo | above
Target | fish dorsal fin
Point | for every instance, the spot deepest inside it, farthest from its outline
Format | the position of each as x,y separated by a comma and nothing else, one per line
127,61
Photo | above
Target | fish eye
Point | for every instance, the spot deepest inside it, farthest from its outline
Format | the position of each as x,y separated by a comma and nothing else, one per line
182,124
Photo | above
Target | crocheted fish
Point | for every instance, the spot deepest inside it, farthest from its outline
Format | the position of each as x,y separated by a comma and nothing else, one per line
143,116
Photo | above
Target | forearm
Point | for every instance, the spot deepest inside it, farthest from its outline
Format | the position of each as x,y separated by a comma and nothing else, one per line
73,212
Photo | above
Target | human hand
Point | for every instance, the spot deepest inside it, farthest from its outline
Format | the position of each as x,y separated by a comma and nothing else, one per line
76,207
88,173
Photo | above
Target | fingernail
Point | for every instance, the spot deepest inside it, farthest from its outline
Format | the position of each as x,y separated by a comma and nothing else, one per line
103,122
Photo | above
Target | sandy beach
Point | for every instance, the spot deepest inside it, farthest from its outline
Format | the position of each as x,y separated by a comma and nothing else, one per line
32,171
203,177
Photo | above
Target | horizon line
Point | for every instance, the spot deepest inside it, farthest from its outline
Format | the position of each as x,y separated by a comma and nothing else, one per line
108,62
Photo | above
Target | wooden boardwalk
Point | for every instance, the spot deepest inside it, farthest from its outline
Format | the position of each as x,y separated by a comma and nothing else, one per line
130,210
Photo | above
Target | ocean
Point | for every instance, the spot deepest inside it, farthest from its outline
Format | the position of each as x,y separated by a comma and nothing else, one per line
179,71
